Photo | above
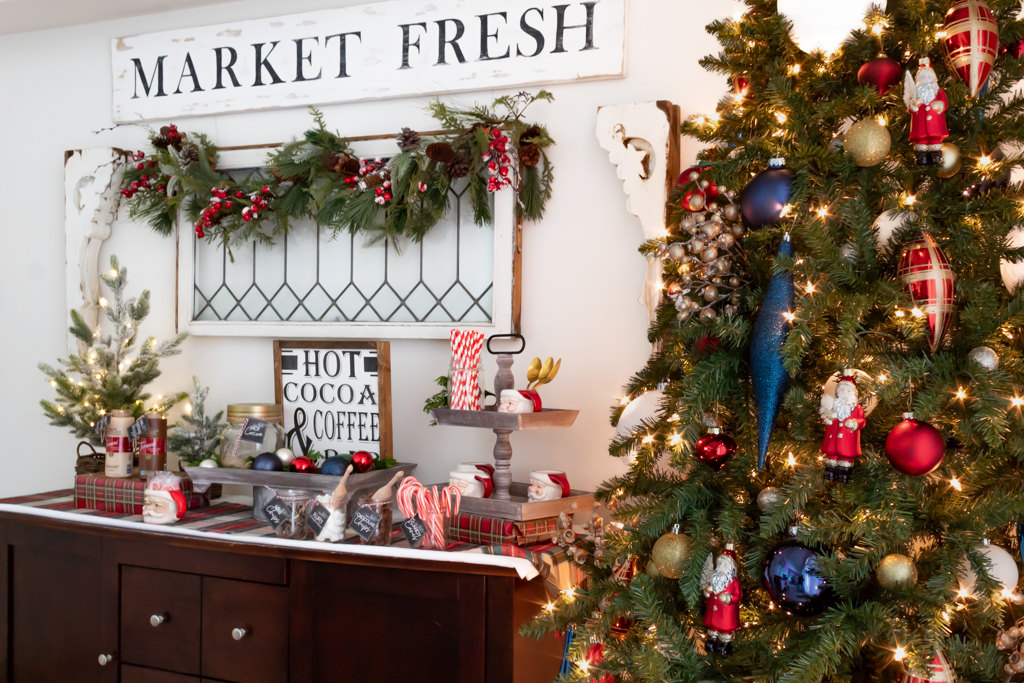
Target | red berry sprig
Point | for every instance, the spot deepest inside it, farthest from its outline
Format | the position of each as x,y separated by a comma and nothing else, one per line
498,162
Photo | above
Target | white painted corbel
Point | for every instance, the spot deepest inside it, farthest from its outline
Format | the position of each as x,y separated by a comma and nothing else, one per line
92,179
642,141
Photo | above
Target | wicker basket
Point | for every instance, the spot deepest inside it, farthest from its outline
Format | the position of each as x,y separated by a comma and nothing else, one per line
90,463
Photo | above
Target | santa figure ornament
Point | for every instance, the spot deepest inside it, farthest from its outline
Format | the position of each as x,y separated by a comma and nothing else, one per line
723,591
927,104
939,671
930,280
164,503
519,401
972,42
547,485
844,419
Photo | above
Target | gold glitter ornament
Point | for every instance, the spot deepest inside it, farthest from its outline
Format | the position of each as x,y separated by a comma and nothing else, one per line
896,571
951,161
868,141
670,553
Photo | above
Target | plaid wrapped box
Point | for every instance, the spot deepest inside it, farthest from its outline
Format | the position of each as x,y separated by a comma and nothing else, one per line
481,530
97,492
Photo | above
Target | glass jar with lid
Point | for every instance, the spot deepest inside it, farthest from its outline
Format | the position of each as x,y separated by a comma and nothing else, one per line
253,428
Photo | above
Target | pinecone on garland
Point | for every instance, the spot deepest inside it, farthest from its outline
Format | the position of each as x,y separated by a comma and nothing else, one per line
529,134
161,141
458,167
187,156
529,155
374,179
442,152
408,140
347,165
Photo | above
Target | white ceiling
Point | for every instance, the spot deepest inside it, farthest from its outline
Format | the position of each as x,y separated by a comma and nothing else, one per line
18,16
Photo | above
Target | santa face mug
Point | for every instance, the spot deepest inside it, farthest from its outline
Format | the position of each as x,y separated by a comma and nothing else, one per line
475,484
164,502
547,485
519,401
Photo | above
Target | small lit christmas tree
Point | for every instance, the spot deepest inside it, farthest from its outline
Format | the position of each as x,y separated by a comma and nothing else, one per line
106,375
195,438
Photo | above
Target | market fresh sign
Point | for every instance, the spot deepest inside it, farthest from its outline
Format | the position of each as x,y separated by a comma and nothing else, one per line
382,50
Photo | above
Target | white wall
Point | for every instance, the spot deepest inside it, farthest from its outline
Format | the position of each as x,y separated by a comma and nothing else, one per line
582,273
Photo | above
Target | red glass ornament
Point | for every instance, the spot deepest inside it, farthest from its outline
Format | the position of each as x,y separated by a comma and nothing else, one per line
715,449
914,447
696,199
302,464
881,72
595,655
931,283
707,344
362,462
742,85
972,41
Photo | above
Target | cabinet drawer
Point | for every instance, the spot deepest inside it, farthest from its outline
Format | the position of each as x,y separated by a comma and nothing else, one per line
136,674
258,651
175,599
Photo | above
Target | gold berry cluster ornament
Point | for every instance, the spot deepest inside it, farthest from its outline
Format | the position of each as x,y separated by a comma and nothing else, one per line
1012,639
704,252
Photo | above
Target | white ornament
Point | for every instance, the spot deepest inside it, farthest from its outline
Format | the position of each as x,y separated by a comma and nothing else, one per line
885,225
985,357
824,24
1013,273
285,455
642,408
209,462
1003,568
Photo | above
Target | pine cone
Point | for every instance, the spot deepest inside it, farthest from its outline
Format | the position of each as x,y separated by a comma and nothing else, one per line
408,140
347,165
188,156
458,167
441,151
373,180
529,155
330,160
529,134
161,142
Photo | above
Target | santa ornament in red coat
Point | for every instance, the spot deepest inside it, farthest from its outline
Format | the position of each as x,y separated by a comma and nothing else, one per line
723,591
927,104
844,419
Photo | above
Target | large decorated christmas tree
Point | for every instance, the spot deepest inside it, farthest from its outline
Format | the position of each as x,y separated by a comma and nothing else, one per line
827,453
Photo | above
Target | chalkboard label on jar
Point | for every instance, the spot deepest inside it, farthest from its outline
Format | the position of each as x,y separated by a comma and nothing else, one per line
318,516
414,530
365,522
277,512
254,431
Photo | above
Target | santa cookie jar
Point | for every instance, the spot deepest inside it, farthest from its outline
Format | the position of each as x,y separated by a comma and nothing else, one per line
164,503
547,485
844,419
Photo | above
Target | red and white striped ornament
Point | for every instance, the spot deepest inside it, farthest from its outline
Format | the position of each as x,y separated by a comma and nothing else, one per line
931,283
939,671
972,41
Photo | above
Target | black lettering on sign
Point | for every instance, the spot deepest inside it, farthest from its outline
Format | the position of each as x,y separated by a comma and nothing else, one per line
343,69
277,512
189,69
365,522
561,28
414,530
486,36
147,83
307,58
254,431
531,31
318,516
263,62
407,43
221,68
443,41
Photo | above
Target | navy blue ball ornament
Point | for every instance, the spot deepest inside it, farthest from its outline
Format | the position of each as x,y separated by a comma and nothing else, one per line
769,376
763,199
335,465
267,462
794,581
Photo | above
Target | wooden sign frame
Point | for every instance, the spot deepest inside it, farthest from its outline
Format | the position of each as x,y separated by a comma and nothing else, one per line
383,350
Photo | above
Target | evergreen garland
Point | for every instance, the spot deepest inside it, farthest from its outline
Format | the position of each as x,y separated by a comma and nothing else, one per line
318,177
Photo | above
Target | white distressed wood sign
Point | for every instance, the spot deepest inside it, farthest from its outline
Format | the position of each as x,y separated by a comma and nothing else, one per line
383,50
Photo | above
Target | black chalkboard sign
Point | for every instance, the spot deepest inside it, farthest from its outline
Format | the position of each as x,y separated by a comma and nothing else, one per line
254,431
414,530
277,512
365,522
318,516
141,425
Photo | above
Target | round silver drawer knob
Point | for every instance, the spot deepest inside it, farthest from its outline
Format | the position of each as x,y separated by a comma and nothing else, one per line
105,659
156,620
238,633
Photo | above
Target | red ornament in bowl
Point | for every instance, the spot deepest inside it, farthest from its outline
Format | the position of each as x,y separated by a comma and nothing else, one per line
697,198
302,464
914,447
362,462
881,72
715,449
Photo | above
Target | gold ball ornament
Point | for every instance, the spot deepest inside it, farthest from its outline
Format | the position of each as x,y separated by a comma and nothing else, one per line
896,571
951,161
652,570
670,553
868,141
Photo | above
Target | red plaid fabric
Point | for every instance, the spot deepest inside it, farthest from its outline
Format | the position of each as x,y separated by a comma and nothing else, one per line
481,530
96,492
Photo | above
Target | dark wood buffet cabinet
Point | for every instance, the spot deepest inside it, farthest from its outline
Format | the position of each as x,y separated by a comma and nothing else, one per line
91,604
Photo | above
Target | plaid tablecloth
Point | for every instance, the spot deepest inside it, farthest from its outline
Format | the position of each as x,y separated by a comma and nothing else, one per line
557,569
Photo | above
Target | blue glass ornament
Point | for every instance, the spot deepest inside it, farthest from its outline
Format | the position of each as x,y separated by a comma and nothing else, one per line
268,462
794,581
764,198
335,465
566,667
767,372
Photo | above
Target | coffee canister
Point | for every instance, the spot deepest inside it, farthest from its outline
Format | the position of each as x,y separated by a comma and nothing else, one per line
153,444
118,463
